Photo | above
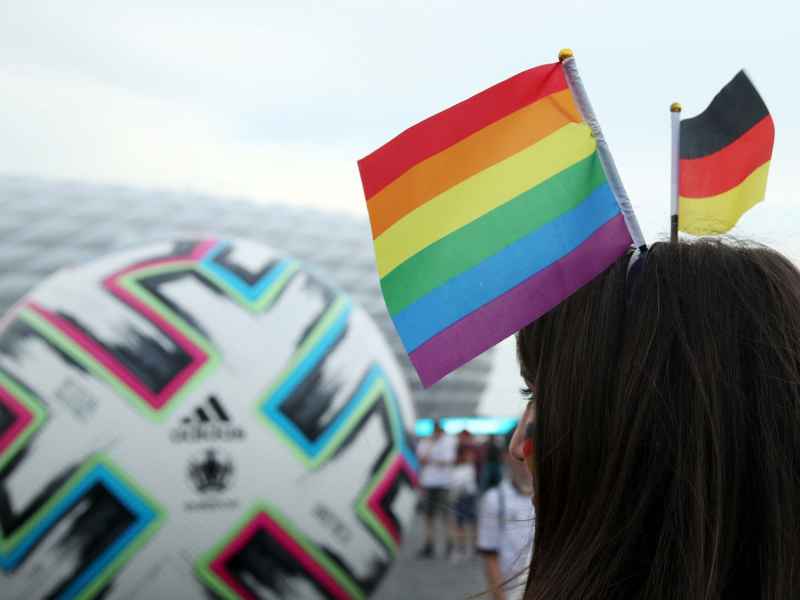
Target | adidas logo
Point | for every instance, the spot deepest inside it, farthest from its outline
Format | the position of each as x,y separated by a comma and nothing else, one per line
208,422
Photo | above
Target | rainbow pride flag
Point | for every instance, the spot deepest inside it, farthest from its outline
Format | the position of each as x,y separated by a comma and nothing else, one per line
487,215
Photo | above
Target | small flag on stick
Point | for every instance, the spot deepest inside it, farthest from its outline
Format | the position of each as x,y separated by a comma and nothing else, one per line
674,193
724,158
488,214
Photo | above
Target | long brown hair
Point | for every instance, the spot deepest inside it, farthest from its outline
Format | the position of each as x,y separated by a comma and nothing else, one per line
667,460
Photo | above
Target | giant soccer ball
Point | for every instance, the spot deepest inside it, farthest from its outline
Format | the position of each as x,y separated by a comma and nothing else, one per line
198,419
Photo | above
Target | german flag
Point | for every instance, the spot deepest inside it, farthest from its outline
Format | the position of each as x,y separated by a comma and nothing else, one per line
724,158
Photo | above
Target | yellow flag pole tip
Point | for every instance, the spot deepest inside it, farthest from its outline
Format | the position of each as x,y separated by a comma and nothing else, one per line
564,54
675,107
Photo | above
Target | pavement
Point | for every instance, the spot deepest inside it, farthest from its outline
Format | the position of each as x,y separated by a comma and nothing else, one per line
412,578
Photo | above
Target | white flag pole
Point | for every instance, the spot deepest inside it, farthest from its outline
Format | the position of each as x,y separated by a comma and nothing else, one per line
675,112
567,59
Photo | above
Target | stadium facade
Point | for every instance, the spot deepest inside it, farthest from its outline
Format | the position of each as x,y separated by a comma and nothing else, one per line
47,225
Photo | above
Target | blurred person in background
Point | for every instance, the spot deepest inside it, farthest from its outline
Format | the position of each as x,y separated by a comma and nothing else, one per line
506,529
466,439
464,498
437,455
491,463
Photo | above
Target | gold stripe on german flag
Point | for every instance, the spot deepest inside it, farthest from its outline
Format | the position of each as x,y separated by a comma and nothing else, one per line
724,158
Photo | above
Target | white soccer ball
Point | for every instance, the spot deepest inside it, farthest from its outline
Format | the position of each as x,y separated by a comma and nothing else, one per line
199,419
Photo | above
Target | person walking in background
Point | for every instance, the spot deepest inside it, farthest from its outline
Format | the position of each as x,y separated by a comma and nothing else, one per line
506,522
464,497
436,454
491,466
466,439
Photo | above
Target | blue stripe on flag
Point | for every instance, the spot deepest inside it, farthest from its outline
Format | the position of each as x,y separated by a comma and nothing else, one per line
470,290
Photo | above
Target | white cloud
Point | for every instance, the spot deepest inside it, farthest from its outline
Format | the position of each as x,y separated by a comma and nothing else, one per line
277,101
65,127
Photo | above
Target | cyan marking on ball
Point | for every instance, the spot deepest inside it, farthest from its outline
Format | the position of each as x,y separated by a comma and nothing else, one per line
396,423
272,406
133,503
312,449
136,505
251,292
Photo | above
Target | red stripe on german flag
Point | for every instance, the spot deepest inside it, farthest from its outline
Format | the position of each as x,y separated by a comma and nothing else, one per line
719,172
724,158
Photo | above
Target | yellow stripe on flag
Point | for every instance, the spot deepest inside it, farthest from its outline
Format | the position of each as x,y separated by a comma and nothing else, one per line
473,154
718,214
481,193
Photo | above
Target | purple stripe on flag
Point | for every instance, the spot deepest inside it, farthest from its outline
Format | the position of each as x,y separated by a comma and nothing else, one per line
521,305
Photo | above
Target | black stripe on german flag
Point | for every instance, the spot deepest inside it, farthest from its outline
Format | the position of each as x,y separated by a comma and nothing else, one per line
722,146
736,109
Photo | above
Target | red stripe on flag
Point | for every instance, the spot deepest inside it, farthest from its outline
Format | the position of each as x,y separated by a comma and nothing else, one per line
727,168
446,128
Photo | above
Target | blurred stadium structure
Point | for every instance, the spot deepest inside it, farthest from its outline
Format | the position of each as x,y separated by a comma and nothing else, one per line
46,225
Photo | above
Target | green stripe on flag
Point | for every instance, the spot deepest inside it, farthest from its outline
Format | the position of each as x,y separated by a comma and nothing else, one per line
486,236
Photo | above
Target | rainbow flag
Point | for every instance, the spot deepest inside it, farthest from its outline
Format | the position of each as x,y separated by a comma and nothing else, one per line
725,154
487,215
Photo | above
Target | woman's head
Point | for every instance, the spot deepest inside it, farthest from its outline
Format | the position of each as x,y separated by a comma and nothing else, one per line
667,435
465,454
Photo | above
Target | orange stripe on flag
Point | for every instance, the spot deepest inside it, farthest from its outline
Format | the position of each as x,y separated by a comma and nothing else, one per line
450,126
481,150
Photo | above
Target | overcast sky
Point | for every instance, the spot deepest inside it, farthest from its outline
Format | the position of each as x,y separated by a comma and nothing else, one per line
277,102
